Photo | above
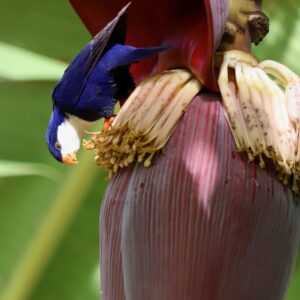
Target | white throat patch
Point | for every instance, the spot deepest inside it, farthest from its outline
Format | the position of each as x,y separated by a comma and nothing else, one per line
70,133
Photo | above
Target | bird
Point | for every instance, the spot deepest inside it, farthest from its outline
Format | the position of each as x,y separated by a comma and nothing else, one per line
93,83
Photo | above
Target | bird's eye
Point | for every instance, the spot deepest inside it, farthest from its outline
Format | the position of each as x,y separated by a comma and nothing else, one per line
57,146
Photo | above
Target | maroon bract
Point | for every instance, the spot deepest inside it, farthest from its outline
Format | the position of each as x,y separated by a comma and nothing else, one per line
192,28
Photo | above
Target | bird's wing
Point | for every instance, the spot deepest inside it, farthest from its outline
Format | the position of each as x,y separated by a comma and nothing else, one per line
69,89
98,98
111,81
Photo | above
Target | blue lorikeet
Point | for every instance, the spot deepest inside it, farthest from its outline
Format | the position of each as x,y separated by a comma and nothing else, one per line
92,84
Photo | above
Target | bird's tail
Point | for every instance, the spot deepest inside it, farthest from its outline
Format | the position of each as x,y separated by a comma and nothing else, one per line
137,54
122,55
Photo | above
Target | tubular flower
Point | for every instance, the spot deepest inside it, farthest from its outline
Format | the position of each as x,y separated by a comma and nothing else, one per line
263,112
146,121
201,222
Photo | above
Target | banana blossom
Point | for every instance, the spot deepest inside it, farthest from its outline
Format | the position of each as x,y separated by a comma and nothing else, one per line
201,221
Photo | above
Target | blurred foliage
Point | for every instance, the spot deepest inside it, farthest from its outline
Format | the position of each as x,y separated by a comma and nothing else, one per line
37,40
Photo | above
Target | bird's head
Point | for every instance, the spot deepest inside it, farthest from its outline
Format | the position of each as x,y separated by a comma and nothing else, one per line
62,138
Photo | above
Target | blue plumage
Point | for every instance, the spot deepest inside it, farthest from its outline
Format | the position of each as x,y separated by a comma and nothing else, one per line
56,119
102,89
92,84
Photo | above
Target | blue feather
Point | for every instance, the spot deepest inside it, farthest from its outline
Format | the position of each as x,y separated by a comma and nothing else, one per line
121,55
101,92
69,89
57,118
96,79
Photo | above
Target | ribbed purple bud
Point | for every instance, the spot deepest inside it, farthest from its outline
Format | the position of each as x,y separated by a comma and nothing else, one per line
201,223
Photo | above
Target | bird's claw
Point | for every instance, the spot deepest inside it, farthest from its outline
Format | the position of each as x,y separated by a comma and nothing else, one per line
108,122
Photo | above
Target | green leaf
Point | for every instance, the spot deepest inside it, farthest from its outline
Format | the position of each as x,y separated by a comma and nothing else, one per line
11,168
30,65
50,232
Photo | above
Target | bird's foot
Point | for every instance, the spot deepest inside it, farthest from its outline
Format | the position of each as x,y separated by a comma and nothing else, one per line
108,122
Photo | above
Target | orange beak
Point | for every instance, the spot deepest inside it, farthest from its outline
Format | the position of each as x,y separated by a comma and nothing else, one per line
70,159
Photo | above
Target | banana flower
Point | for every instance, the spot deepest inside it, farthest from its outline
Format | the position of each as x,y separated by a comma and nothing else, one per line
186,214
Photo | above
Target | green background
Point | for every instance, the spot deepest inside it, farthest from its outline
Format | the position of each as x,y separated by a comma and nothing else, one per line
46,207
